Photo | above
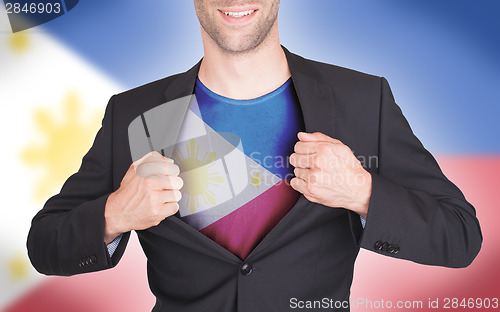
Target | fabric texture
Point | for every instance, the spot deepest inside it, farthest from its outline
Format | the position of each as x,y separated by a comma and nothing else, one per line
113,245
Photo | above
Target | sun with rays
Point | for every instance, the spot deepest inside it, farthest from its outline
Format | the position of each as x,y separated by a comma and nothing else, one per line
63,143
197,176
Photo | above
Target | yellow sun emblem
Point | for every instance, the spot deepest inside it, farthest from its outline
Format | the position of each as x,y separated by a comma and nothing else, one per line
18,267
196,175
64,144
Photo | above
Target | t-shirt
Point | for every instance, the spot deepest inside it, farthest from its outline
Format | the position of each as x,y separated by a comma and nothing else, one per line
267,128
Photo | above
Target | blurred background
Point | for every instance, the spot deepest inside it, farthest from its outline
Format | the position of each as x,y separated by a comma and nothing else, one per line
440,57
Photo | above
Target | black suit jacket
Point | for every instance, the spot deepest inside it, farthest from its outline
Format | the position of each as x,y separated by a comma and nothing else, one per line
415,212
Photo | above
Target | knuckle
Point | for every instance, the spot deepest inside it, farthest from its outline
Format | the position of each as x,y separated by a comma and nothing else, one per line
298,161
172,208
172,169
169,160
143,166
176,168
346,150
179,183
139,171
177,195
296,147
154,157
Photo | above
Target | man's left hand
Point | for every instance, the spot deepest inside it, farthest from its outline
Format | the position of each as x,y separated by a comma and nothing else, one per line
327,172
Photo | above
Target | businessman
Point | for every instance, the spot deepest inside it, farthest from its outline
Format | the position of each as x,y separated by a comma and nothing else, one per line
279,238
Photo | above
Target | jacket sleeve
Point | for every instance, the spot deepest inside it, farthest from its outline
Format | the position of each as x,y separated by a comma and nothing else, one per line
67,235
415,212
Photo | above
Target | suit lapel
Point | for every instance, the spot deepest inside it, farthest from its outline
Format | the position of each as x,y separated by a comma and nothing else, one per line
317,105
316,98
182,84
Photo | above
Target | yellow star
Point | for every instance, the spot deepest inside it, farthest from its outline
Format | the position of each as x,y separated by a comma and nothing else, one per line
18,267
19,42
256,180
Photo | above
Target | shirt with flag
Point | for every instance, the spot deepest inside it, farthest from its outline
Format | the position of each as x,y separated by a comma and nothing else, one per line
237,190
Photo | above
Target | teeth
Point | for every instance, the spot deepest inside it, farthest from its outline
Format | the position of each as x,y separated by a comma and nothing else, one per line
239,14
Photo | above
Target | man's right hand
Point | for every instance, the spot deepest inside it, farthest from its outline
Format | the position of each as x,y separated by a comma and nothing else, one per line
148,193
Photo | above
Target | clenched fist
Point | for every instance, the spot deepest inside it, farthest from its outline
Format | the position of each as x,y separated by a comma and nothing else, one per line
327,172
148,193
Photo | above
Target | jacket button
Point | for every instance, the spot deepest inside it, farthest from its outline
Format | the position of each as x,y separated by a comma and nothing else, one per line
246,269
82,263
384,246
93,260
395,249
378,245
390,249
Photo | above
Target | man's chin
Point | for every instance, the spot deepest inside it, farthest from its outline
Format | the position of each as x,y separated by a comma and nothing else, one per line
239,45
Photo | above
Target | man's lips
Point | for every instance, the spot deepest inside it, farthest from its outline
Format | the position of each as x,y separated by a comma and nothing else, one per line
237,16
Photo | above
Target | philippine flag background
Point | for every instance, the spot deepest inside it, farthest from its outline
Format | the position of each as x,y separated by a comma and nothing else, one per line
440,57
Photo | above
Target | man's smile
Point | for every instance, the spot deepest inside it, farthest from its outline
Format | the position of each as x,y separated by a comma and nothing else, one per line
237,15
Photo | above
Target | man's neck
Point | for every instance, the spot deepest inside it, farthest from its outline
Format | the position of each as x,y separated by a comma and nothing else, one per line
244,75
